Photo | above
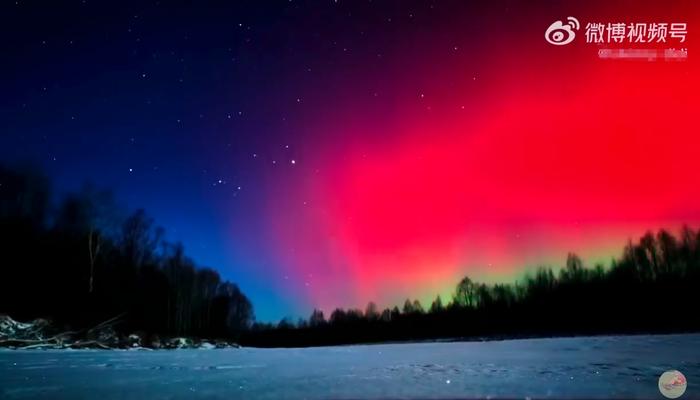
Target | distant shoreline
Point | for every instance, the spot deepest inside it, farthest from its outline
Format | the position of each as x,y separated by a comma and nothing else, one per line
425,341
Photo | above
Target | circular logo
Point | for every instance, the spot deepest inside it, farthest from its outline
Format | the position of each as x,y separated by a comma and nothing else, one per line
560,33
672,384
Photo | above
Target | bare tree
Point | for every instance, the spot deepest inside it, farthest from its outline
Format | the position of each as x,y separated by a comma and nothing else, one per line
94,247
465,294
371,312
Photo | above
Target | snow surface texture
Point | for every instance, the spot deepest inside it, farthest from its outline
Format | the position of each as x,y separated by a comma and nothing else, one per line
591,367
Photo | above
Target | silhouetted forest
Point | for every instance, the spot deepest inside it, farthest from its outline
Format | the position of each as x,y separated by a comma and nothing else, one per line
650,289
79,261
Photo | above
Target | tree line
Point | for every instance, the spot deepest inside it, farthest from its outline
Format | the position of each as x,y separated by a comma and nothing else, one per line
651,288
81,260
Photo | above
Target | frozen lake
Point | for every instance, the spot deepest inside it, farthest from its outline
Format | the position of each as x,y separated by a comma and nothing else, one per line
594,367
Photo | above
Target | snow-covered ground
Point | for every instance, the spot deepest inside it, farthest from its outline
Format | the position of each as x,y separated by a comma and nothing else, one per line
598,367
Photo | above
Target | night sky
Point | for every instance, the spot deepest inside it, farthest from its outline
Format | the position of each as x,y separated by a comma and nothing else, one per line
328,153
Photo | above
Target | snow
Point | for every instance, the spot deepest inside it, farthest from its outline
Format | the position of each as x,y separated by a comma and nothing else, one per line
590,367
206,346
8,325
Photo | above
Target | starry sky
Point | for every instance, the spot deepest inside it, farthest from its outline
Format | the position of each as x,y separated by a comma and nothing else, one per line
329,153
